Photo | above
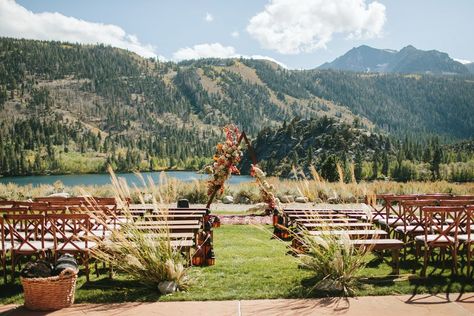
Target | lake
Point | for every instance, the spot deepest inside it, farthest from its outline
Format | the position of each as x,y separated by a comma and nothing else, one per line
101,179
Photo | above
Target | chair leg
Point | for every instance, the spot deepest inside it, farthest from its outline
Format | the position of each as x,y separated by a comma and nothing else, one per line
417,251
4,267
425,260
396,261
85,261
442,257
455,260
96,269
13,268
468,247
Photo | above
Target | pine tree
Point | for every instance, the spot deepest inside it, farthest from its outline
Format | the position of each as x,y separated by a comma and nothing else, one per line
375,165
385,164
358,166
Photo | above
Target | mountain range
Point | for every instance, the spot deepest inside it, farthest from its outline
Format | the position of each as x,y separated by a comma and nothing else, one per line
68,108
408,60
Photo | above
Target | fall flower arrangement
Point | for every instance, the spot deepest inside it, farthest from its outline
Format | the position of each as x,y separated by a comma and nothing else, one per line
227,156
266,189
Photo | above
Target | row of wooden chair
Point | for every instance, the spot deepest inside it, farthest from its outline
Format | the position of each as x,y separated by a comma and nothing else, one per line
430,222
188,228
48,235
191,227
350,223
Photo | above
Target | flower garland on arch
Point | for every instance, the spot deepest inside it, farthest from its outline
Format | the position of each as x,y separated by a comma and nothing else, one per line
266,189
226,158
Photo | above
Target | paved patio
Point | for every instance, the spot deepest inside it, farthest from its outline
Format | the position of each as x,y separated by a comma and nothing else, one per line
420,305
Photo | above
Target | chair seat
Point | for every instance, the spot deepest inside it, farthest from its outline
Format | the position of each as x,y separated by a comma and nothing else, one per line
50,237
76,246
390,222
435,238
466,238
410,229
7,246
96,233
32,246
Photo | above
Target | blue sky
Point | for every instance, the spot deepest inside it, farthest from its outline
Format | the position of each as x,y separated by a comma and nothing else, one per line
297,33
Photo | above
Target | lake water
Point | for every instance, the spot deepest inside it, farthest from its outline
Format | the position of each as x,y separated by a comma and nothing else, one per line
101,179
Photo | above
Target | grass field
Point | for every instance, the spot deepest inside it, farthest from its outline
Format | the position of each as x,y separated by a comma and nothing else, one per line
251,265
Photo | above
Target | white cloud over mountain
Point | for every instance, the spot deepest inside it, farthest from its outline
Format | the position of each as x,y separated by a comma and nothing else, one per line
204,51
462,61
292,27
16,21
215,50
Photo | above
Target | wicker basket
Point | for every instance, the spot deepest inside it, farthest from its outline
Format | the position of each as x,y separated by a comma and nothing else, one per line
50,293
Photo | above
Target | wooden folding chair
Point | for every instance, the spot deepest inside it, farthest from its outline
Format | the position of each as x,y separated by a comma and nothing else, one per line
72,235
441,231
26,237
5,247
378,213
466,238
412,218
394,215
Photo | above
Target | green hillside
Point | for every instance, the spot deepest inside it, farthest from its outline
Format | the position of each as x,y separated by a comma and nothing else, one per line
68,108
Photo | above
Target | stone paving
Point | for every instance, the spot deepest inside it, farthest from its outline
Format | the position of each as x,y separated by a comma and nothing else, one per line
405,305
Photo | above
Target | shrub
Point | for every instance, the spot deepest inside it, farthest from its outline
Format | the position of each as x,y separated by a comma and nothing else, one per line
247,192
196,192
333,259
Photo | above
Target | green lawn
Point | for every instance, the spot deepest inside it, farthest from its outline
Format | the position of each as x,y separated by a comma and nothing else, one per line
251,265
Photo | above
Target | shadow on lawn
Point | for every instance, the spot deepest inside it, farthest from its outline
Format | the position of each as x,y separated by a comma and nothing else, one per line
114,291
96,291
9,292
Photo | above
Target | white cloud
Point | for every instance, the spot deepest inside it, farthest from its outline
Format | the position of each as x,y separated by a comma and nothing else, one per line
204,51
215,50
291,27
267,58
208,17
462,61
235,34
16,21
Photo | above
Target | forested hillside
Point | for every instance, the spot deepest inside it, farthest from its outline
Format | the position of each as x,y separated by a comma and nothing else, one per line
329,145
76,108
421,105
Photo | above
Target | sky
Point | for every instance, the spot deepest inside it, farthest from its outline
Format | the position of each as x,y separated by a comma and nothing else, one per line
299,34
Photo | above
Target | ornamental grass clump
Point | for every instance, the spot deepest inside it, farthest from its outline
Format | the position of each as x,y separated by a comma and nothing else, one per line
147,256
334,260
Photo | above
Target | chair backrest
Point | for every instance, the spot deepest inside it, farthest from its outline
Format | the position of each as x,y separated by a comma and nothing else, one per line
24,204
6,203
434,196
69,229
460,202
45,209
412,214
13,210
469,221
100,217
443,221
461,197
24,230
